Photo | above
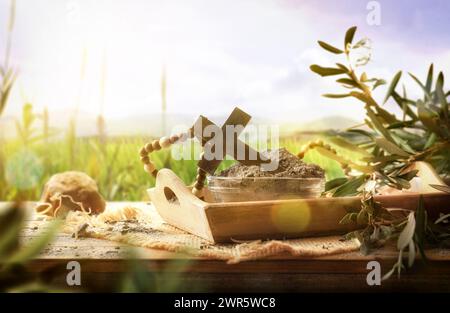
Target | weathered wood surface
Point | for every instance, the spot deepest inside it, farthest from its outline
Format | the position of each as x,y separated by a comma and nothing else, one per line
103,263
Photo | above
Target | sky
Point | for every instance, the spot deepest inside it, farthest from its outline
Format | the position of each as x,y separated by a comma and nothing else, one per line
216,54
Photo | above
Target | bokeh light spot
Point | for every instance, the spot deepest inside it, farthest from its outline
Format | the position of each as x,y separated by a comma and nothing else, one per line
24,170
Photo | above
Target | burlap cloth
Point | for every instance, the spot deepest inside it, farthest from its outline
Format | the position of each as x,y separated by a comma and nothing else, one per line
143,227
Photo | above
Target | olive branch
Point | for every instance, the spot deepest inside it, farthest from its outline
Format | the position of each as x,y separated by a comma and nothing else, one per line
392,143
389,145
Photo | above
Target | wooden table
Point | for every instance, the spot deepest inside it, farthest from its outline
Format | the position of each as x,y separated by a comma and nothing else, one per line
104,263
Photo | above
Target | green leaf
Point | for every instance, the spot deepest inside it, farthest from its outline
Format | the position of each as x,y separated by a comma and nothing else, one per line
350,188
343,67
391,147
326,71
424,89
362,132
440,79
347,219
428,118
11,223
421,226
349,36
378,125
442,188
360,96
331,184
35,247
392,86
381,159
411,253
407,233
348,81
441,98
362,218
330,48
430,141
404,105
409,175
378,82
429,82
386,116
336,96
363,77
344,143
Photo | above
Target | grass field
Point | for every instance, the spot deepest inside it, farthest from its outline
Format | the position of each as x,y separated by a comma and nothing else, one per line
115,165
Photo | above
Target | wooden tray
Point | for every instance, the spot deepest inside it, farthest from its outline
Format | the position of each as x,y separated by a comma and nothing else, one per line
224,222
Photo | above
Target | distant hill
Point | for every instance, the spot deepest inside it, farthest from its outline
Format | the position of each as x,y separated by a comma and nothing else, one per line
335,122
151,124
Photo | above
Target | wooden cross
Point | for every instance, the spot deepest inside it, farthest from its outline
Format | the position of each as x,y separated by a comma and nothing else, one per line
236,118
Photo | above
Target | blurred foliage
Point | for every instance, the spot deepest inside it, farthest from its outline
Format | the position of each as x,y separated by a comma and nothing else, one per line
137,278
14,255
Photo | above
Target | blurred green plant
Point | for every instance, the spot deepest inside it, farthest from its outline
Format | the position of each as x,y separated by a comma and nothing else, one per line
168,279
14,255
7,72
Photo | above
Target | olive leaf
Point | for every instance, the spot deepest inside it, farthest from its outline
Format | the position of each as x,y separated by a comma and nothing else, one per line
407,233
422,86
428,117
441,188
344,143
349,36
343,67
326,71
429,82
350,188
421,226
330,48
391,147
392,86
442,101
348,82
336,96
377,124
331,184
378,82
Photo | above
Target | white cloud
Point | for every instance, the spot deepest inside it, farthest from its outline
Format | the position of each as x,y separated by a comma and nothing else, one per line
218,54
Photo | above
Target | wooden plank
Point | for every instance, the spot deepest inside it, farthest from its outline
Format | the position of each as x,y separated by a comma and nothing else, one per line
65,247
104,263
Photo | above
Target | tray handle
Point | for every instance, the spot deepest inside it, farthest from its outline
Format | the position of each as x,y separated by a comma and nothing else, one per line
178,206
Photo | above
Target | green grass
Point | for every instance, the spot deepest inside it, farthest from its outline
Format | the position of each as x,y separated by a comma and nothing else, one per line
115,166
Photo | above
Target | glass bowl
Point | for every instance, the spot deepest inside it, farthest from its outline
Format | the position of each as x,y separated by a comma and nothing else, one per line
234,189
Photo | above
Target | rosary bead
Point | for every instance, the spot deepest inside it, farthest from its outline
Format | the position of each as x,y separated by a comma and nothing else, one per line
156,146
164,142
149,148
149,168
197,192
174,138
